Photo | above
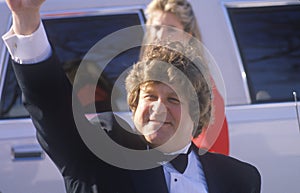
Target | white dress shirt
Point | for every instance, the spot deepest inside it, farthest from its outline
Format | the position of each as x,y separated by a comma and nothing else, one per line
36,48
191,181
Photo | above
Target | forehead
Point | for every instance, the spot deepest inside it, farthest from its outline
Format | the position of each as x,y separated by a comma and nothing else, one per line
158,87
165,18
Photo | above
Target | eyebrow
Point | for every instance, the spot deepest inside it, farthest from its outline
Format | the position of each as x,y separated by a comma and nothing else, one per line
149,89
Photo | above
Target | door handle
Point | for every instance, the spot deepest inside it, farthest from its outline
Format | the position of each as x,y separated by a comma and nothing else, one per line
297,111
27,152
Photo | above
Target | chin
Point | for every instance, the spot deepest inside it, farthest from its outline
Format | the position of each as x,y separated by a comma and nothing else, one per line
156,139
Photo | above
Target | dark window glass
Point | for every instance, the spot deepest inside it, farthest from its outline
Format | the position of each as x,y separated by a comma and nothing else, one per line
11,100
268,39
72,38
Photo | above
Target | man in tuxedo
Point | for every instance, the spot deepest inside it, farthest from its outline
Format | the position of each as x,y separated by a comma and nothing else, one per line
170,99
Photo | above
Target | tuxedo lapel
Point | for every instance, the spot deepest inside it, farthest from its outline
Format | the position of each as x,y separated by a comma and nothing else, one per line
149,181
214,182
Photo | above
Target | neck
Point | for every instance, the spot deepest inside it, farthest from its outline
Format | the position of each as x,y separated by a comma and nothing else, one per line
173,150
184,150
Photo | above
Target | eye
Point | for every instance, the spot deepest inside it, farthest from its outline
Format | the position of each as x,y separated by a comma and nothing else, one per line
174,100
171,30
157,27
150,97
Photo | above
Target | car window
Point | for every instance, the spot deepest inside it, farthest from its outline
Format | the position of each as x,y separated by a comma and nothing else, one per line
72,36
268,39
11,102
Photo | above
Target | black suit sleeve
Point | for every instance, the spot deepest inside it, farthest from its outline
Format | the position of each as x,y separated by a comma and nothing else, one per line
47,95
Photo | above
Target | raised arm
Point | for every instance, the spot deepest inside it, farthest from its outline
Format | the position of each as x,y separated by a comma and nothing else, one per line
27,41
47,93
26,15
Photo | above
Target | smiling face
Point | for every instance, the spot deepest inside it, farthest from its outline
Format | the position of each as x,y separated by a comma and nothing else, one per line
168,86
163,117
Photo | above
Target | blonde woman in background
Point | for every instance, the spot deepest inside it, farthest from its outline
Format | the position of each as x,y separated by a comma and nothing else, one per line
179,14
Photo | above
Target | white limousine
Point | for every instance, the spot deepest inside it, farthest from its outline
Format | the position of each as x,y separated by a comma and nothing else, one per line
256,45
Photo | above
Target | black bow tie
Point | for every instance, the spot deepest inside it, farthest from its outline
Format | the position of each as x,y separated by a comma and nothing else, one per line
180,162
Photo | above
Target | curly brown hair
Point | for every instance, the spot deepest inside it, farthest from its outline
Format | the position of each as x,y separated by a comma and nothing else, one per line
168,64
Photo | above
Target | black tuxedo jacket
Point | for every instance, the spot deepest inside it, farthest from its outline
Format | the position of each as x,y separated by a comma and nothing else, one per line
48,98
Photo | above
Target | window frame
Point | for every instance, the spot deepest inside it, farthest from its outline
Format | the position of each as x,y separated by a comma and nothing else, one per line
139,10
243,67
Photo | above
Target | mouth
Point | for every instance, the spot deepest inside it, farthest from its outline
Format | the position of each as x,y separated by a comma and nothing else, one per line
158,121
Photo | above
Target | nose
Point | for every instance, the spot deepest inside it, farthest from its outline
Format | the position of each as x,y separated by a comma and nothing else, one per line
160,33
159,107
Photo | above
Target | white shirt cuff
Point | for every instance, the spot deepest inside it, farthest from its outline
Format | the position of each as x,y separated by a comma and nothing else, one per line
28,49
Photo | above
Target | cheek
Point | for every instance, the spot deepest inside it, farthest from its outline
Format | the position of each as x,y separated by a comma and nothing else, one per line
188,121
140,113
182,116
177,114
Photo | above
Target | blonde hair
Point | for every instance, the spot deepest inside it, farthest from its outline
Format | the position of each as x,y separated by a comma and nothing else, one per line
164,65
181,8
